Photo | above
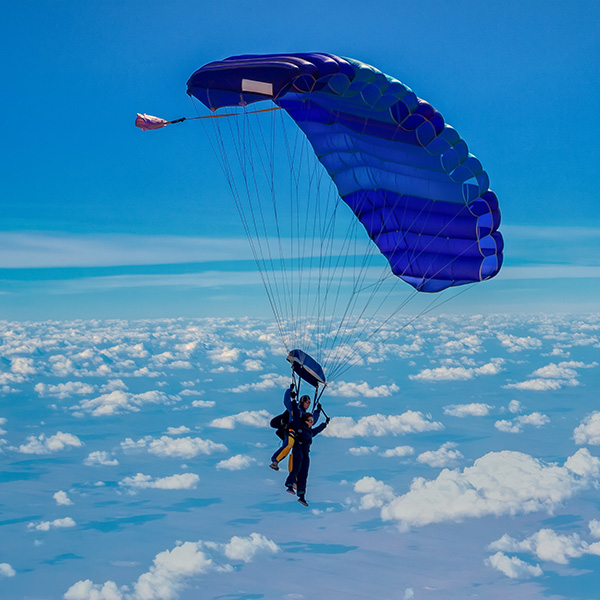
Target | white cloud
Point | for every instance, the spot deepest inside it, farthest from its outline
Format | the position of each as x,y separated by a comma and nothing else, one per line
100,457
224,355
594,526
363,450
513,567
245,549
56,524
268,382
203,403
515,425
363,390
547,545
513,343
541,385
22,366
474,409
6,570
173,569
468,344
64,390
514,406
498,483
46,445
182,481
445,456
252,365
459,373
165,446
178,430
236,463
62,499
119,401
379,425
552,377
398,451
254,418
588,431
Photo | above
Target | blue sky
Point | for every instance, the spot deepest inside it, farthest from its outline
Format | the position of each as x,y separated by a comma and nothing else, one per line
139,362
515,80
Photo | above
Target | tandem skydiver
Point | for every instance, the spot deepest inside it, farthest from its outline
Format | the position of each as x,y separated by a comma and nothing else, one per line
300,458
285,425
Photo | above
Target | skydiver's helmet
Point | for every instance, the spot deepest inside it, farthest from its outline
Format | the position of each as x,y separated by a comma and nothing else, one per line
304,399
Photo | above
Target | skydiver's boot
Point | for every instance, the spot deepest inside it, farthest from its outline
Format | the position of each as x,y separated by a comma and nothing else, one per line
302,500
274,465
290,490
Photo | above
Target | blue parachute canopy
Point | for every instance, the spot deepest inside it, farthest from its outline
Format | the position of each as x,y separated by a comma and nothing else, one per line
307,368
407,175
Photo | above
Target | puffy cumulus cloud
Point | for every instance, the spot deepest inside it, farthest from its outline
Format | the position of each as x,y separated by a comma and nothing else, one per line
397,452
177,430
62,499
6,570
469,344
513,343
498,483
363,450
268,382
356,404
224,355
547,545
168,447
375,494
379,425
252,365
48,525
64,390
172,570
181,481
46,445
245,548
513,567
253,418
553,376
445,456
459,373
236,463
364,390
474,409
514,406
588,431
100,458
203,403
22,366
541,385
594,526
2,422
119,401
535,419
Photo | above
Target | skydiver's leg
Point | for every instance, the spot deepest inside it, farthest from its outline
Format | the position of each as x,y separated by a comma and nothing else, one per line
303,475
284,450
297,459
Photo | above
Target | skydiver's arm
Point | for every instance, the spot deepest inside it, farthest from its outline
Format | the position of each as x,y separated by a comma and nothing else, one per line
317,413
316,430
287,399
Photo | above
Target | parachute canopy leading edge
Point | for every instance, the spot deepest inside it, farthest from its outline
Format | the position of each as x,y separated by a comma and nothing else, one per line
423,199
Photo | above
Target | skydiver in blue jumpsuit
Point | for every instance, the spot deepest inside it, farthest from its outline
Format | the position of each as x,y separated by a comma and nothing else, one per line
300,459
289,400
